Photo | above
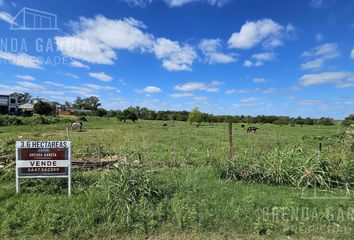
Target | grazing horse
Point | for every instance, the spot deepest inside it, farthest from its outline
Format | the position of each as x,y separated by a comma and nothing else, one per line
252,129
76,126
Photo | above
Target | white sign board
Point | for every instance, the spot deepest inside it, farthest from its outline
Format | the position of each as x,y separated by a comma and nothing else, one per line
38,159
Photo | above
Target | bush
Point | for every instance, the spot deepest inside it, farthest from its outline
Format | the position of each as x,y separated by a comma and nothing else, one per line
10,120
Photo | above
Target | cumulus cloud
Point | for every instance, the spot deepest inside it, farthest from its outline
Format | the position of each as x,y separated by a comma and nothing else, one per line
193,86
152,89
258,59
94,40
26,77
211,49
174,57
101,76
266,32
318,55
78,64
21,59
339,79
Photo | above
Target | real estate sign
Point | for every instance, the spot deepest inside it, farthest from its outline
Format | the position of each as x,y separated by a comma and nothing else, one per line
39,159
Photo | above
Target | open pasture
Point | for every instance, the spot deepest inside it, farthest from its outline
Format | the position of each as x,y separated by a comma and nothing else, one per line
185,186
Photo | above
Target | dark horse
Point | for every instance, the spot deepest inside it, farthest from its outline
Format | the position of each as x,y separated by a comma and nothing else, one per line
252,129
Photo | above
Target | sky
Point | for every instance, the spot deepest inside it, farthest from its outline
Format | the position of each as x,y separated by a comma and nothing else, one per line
237,57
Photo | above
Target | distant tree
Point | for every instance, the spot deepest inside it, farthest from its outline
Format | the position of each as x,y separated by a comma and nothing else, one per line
325,121
128,113
348,120
101,112
42,108
111,113
195,116
67,104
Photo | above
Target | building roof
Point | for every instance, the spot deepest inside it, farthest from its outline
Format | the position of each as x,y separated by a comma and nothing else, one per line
26,106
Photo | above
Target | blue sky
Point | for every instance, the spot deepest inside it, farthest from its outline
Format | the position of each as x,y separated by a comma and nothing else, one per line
234,57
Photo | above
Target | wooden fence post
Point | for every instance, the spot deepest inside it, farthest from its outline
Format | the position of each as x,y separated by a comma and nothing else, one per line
230,141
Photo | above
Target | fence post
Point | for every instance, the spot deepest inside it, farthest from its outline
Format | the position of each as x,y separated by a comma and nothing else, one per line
230,141
319,150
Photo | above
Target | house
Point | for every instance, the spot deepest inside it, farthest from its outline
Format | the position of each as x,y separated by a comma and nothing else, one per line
9,103
26,108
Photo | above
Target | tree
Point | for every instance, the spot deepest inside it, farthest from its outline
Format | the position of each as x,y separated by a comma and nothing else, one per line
101,112
128,113
78,103
348,120
42,108
195,116
24,97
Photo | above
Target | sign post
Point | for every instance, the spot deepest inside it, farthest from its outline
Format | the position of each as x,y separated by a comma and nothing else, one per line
37,159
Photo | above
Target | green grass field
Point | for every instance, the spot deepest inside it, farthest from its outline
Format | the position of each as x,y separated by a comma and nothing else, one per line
186,188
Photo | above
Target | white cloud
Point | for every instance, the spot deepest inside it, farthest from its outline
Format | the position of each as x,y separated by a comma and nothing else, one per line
152,89
316,3
193,86
211,50
72,75
101,76
99,87
181,95
26,77
319,37
54,84
200,98
265,56
352,54
176,3
259,59
233,91
94,40
179,3
21,59
173,56
319,55
265,31
31,86
340,79
78,64
259,80
310,102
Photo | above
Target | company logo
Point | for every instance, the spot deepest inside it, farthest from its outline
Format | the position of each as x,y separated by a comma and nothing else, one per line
32,19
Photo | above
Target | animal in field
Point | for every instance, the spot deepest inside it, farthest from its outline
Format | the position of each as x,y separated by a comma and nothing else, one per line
243,125
76,126
252,129
164,125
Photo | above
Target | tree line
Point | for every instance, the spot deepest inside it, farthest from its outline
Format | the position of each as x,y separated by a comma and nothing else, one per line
134,113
